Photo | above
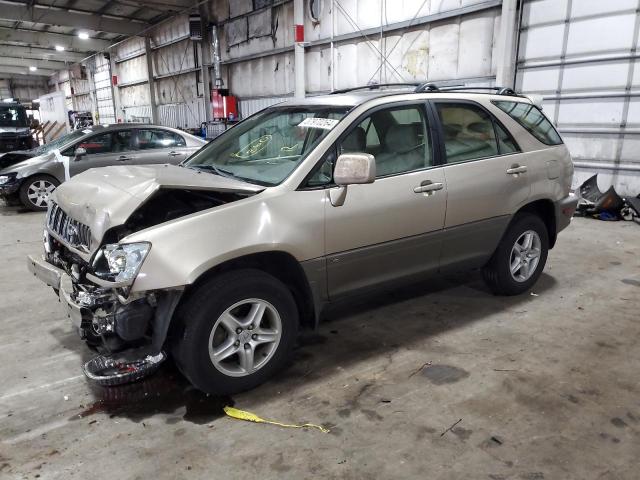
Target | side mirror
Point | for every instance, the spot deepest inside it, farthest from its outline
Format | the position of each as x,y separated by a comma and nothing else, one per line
354,168
80,152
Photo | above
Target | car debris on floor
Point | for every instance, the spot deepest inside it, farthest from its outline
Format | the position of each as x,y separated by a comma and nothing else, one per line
608,206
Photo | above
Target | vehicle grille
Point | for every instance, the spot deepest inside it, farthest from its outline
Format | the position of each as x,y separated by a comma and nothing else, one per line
76,234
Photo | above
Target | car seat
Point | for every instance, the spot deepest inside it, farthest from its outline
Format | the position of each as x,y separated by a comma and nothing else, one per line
403,150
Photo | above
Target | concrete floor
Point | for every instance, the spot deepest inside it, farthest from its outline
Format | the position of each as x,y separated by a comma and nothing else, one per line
542,386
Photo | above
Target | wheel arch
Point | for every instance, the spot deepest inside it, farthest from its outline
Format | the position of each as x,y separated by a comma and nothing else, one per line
543,208
279,264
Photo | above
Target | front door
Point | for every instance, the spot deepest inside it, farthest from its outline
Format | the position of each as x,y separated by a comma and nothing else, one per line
390,228
103,149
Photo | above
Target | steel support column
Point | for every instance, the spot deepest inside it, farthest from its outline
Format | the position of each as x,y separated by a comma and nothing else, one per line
205,49
298,20
506,48
150,80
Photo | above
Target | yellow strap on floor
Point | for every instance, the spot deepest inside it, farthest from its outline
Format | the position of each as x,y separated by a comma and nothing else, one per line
252,417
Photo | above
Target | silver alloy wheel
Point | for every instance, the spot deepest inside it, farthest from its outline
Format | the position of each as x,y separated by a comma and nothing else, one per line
525,256
39,192
245,337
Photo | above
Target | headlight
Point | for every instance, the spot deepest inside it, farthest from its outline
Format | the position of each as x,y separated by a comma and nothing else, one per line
5,179
120,262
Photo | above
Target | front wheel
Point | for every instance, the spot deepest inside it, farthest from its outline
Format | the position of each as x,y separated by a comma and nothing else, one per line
235,331
520,257
35,191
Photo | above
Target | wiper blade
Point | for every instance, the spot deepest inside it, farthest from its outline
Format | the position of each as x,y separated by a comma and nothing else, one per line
216,170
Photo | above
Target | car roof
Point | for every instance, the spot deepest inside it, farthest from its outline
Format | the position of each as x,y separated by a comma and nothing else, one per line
359,95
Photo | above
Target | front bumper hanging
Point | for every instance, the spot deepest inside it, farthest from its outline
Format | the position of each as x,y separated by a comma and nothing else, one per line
114,368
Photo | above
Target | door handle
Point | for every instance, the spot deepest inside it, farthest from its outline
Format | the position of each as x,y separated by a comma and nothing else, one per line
516,169
123,158
428,187
175,154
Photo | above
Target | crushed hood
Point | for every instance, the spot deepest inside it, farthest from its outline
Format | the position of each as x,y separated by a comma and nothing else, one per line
102,198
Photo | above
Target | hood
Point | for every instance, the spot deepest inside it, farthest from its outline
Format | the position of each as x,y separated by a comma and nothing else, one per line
13,158
106,197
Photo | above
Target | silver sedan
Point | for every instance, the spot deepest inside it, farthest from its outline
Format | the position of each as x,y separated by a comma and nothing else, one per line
29,177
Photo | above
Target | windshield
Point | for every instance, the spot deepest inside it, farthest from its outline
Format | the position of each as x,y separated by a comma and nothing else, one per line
13,116
268,146
59,142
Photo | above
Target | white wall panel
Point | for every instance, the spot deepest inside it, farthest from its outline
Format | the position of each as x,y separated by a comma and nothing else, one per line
601,34
543,11
539,79
591,112
583,8
541,42
602,75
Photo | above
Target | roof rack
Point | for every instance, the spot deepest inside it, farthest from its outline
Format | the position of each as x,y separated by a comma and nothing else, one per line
376,86
427,87
432,87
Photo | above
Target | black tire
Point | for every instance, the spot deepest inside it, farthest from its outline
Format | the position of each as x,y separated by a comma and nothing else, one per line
497,272
37,204
195,319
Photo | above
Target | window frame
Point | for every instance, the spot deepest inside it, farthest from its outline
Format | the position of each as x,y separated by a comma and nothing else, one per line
88,139
494,103
421,104
135,132
440,130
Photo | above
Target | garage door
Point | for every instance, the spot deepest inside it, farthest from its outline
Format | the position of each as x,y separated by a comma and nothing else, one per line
581,56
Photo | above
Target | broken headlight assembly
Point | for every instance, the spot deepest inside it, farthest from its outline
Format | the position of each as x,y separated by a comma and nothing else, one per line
120,262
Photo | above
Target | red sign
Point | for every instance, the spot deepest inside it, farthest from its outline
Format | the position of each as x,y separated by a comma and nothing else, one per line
298,33
114,80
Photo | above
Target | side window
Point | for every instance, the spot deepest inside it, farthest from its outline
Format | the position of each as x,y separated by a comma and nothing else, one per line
97,144
468,132
152,139
532,119
122,141
506,144
398,138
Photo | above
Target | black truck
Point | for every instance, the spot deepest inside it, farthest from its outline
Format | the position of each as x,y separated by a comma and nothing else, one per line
14,128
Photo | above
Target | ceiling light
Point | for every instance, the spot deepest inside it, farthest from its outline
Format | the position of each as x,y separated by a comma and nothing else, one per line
83,35
35,100
59,48
32,68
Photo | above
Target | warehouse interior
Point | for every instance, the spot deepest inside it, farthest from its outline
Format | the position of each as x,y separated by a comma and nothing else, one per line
437,379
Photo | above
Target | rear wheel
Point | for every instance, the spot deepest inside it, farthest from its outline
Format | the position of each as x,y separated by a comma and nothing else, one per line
35,191
235,331
520,257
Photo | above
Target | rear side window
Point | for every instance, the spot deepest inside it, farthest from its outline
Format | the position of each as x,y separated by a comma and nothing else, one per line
153,139
532,119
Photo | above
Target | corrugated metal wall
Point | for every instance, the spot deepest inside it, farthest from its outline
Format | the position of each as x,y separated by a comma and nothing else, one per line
102,79
581,56
403,41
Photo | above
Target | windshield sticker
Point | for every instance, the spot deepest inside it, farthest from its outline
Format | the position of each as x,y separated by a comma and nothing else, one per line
324,123
87,131
253,148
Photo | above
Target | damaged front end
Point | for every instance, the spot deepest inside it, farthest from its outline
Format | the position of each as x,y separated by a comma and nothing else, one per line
128,329
93,268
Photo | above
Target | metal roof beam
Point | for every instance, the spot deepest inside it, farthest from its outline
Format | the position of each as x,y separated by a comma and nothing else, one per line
31,62
50,40
22,70
40,53
53,16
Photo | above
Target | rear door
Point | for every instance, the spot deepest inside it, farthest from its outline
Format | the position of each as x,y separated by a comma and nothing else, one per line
487,181
390,228
157,145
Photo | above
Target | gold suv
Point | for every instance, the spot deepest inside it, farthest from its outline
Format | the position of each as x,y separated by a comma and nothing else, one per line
219,261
